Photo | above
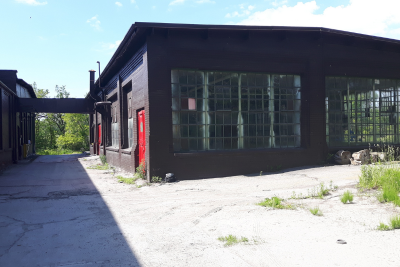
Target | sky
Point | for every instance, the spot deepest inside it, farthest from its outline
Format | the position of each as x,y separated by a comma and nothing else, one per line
56,42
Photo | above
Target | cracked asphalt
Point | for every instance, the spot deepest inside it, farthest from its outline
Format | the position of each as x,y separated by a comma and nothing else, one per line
56,212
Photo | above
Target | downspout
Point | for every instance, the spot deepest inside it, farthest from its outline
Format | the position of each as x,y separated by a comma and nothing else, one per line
122,113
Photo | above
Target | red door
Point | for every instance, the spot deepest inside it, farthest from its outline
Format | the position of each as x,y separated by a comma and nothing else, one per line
98,139
142,136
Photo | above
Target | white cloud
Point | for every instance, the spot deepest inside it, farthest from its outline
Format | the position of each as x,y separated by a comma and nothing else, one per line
276,3
94,22
243,12
133,1
113,46
205,2
109,48
118,4
362,16
176,2
32,2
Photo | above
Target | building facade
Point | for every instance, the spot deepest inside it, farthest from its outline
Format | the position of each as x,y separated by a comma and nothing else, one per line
204,101
17,128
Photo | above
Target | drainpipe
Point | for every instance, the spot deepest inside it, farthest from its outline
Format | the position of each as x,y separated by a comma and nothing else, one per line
121,111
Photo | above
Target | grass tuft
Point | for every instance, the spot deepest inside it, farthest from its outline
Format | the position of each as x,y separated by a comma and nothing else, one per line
347,197
126,180
99,167
276,203
395,222
383,227
316,211
232,240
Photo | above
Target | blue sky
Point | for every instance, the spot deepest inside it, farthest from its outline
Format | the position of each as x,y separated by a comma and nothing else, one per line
56,42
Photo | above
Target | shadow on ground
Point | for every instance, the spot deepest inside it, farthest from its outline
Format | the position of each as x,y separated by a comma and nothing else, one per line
51,214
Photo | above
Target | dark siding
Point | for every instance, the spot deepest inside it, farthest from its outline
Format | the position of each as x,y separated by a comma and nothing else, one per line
282,53
135,62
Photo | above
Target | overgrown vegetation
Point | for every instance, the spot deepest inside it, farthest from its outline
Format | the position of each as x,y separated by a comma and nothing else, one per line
60,133
56,151
347,197
232,240
276,203
385,177
316,211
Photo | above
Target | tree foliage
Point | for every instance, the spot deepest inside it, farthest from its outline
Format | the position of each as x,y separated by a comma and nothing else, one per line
58,130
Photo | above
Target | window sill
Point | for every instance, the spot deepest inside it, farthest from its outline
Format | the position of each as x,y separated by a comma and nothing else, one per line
109,148
126,151
239,151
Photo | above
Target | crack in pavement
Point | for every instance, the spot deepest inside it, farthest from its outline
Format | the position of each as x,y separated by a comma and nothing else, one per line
28,227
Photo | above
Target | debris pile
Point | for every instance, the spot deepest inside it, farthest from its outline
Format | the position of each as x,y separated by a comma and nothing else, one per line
358,158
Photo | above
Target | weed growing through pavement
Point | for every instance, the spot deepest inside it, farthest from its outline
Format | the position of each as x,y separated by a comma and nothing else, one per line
316,192
383,227
103,159
126,180
347,197
276,203
141,171
316,211
156,179
394,223
232,240
99,167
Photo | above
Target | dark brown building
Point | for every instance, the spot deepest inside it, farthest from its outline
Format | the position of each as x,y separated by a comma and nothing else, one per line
224,100
17,128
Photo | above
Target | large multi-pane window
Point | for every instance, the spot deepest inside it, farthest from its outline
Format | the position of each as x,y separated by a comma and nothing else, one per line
228,110
362,111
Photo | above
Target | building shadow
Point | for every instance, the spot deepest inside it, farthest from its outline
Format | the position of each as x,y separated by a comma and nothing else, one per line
52,214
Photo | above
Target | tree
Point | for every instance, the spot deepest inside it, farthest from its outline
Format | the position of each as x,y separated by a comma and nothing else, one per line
57,130
76,132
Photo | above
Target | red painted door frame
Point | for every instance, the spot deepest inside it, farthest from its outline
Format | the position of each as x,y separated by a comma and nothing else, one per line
142,136
98,139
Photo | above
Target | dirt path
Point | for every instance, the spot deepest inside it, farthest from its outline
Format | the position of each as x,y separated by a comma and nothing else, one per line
84,217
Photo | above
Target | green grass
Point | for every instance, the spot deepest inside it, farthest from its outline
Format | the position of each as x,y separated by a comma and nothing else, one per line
99,167
232,240
394,223
383,227
316,211
103,159
276,203
56,152
316,192
385,177
126,180
347,197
